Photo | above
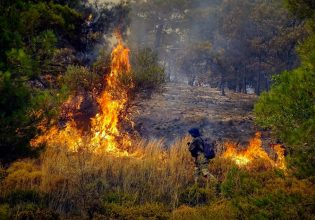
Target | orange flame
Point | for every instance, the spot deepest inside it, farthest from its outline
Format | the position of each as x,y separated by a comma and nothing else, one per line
280,162
105,135
253,152
113,102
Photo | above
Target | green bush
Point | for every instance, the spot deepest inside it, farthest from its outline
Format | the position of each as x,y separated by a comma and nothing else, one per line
118,198
145,211
239,182
23,196
4,211
80,79
147,73
289,110
275,204
30,32
195,195
26,204
216,211
32,211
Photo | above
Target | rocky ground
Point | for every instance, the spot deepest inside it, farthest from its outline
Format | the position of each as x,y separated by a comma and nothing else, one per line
179,107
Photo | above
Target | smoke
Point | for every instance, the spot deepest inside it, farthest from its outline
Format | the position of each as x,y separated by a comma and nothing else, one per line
212,40
172,30
203,42
102,18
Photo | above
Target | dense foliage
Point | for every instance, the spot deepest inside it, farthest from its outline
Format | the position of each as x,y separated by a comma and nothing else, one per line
289,107
30,33
39,40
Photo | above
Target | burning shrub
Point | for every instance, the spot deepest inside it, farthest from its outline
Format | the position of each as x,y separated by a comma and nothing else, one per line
105,133
255,156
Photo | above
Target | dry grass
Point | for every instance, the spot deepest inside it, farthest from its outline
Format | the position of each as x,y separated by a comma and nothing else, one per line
79,180
157,185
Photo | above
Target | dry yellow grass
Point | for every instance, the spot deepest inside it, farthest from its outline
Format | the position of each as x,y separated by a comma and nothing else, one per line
159,184
82,178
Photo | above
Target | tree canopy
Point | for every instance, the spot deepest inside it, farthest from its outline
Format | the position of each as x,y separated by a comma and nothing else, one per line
289,107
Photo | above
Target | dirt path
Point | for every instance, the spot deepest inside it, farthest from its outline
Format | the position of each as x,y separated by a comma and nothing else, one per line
170,114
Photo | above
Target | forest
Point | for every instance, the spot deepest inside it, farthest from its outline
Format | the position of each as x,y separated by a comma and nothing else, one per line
97,97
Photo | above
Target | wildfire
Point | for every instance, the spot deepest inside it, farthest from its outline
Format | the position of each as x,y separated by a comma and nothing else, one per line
113,102
105,135
253,152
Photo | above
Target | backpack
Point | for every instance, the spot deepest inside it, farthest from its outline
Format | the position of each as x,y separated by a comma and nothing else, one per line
208,149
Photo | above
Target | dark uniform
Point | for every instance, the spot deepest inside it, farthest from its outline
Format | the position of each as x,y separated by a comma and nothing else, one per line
201,162
196,148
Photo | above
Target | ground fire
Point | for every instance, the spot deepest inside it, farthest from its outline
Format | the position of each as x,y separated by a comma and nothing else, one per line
105,134
253,152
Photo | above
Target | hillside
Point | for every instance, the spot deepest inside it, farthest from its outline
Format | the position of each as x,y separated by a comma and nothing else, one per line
178,107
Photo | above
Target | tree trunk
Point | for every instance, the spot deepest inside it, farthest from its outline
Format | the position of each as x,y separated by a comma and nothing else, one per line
222,85
244,84
158,36
258,83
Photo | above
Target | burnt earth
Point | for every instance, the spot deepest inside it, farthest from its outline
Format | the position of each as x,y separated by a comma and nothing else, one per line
179,107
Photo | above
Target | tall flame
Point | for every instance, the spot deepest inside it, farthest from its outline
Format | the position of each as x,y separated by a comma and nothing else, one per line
105,134
113,102
253,152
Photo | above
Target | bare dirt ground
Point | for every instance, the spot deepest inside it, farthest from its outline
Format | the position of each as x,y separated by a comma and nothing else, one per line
179,107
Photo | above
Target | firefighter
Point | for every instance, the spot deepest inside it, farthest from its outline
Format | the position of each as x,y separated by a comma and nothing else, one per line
196,148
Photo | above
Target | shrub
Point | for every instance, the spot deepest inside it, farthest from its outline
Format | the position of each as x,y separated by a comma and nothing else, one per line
148,75
32,211
288,108
81,79
23,196
4,211
215,211
195,195
22,175
145,211
279,199
238,182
